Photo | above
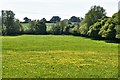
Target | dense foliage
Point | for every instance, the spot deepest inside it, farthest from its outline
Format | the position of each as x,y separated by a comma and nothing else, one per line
116,19
36,27
95,25
95,13
11,26
107,28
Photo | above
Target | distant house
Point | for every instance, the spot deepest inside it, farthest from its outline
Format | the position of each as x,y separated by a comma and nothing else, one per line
74,19
55,19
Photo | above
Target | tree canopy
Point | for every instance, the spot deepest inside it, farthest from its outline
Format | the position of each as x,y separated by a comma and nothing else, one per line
11,25
95,25
95,13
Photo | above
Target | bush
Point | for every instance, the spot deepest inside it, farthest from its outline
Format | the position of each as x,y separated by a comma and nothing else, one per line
108,30
83,29
95,28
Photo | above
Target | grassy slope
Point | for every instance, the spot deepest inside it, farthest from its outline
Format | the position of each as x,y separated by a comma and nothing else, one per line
25,26
48,56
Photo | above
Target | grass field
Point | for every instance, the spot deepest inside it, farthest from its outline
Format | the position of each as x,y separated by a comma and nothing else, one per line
53,56
25,26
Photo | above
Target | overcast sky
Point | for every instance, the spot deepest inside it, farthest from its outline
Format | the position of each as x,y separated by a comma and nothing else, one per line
37,9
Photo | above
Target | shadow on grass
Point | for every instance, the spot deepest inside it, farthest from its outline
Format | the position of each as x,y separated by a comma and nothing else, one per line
117,41
112,41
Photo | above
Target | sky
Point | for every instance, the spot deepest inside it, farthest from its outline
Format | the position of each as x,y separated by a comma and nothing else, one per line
38,9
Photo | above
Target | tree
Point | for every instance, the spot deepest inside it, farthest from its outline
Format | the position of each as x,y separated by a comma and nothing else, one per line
65,26
32,25
75,30
9,22
43,20
0,21
108,30
17,27
95,13
40,27
83,29
95,28
116,20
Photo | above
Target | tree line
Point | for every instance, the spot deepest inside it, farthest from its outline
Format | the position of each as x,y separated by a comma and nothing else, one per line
95,25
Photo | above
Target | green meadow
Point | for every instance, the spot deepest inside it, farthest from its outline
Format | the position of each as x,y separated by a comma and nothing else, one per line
58,56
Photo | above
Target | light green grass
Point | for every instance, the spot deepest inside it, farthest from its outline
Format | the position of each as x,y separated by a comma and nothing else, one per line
50,56
25,26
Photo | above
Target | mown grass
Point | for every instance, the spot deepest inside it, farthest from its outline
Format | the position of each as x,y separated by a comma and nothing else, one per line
50,56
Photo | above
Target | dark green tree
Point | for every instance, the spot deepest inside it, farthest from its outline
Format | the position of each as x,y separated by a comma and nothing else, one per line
17,27
32,26
10,23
